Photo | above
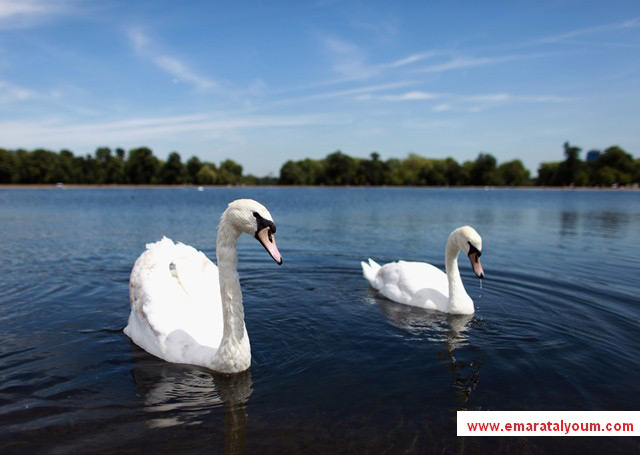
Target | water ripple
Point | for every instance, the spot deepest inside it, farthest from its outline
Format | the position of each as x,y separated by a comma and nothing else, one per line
335,366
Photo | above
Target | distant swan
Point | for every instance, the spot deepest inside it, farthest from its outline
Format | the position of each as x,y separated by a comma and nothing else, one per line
184,309
425,286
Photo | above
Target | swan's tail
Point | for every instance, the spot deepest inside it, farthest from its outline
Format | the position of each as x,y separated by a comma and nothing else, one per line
370,271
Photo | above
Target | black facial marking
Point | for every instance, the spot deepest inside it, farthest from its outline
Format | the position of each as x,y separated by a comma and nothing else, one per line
473,249
262,223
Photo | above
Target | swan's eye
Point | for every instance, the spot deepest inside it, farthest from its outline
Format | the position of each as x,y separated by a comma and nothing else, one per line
473,249
262,223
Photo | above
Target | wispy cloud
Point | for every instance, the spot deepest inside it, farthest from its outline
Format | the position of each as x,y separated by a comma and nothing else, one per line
10,92
348,93
360,70
181,71
470,62
407,96
411,96
139,39
563,37
169,64
466,103
412,59
442,107
137,131
348,59
483,102
9,9
506,97
26,13
384,29
23,99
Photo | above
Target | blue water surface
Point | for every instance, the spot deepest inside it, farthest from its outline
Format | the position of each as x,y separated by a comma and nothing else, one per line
336,368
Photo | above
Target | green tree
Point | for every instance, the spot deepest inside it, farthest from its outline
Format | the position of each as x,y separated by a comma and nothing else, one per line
547,174
392,176
141,166
266,180
291,173
434,172
371,172
453,172
65,170
229,172
8,167
91,172
173,171
206,175
605,175
407,171
232,167
193,166
37,166
339,169
110,167
572,170
313,171
616,158
425,174
513,173
483,171
619,163
78,165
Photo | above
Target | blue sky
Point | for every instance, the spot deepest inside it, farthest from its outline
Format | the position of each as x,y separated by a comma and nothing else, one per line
263,82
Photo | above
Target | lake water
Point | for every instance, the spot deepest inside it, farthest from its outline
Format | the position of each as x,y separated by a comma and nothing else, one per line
335,368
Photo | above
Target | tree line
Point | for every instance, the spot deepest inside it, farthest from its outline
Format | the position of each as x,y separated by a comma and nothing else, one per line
140,166
340,169
612,166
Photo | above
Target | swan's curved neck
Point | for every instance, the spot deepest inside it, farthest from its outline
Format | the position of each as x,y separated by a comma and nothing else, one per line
234,353
459,300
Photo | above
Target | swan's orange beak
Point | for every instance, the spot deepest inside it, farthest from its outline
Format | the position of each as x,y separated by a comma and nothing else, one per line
474,257
268,241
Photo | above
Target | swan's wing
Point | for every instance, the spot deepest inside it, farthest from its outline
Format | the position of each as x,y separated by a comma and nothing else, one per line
370,271
174,289
404,281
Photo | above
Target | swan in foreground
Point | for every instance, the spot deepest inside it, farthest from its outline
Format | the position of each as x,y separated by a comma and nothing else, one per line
425,286
184,309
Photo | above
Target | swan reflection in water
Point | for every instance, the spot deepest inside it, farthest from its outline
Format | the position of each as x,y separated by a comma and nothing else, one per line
187,395
449,329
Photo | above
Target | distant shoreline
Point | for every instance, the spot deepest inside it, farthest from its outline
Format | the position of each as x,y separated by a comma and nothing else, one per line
39,186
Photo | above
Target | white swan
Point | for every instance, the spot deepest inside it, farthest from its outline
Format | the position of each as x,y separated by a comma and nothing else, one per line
423,285
184,309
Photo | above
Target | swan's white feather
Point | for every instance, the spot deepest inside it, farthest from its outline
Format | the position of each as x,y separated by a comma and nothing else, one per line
370,270
423,285
413,283
186,310
176,310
